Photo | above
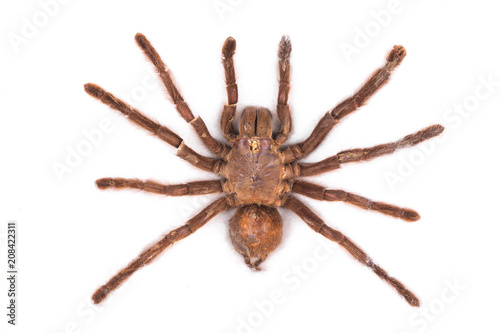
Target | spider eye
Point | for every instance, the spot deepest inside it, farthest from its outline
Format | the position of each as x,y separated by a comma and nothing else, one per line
256,122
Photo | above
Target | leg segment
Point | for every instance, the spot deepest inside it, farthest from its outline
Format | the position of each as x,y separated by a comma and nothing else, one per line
375,82
284,116
202,162
320,193
229,111
181,106
365,154
151,253
133,115
319,226
192,188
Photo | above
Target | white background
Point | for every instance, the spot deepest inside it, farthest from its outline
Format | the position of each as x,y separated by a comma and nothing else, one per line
73,237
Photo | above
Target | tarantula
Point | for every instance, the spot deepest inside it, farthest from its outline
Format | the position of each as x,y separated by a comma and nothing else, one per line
257,173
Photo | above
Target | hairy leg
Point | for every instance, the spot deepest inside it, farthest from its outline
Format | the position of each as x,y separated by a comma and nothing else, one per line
191,188
285,48
365,154
151,253
229,110
321,193
375,82
318,225
198,124
202,162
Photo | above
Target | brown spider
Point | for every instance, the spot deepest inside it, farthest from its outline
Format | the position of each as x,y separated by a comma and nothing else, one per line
257,173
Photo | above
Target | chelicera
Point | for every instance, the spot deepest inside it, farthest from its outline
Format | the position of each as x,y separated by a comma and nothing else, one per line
257,172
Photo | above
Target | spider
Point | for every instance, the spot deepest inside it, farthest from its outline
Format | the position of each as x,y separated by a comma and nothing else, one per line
258,173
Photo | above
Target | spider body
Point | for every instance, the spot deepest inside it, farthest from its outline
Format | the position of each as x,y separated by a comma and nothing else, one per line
257,171
254,170
254,178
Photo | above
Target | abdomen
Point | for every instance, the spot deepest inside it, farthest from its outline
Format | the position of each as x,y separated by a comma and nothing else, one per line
255,232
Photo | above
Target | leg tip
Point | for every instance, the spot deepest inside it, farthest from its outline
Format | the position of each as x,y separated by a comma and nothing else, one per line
412,300
93,90
141,40
100,295
410,215
397,54
150,51
435,130
229,47
104,183
285,47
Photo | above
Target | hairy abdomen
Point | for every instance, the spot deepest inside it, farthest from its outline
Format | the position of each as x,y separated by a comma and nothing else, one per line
255,232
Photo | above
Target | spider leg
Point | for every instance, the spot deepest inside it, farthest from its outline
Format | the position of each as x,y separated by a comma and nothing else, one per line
191,188
198,124
152,252
229,111
331,118
318,225
321,193
365,154
285,48
183,151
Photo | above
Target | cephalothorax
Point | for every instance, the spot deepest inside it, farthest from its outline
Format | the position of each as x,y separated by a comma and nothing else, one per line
257,172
